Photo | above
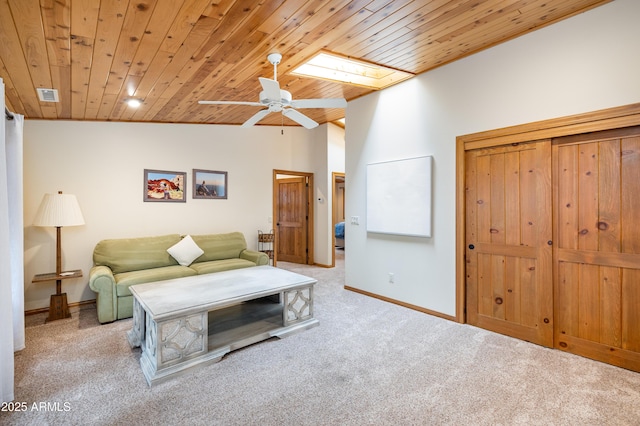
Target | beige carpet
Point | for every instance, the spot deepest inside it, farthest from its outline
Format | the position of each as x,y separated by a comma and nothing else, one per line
368,363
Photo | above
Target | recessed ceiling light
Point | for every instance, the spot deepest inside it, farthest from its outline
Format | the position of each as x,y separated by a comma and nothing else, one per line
329,66
133,102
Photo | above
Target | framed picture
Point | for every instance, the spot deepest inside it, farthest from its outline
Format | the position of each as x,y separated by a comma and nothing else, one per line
164,186
209,184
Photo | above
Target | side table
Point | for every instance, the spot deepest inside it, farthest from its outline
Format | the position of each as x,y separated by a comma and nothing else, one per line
58,307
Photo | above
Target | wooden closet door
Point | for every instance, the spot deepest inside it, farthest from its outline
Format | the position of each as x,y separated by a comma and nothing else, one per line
508,237
597,229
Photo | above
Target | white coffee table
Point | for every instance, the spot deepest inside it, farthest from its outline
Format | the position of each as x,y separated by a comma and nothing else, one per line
192,321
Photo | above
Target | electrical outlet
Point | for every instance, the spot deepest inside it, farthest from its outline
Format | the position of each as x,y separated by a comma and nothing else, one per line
355,220
392,277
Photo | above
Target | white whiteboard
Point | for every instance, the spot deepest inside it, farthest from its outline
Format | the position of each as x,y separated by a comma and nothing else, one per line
399,197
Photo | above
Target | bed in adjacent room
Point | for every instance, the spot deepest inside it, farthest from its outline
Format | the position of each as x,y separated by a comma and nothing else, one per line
339,232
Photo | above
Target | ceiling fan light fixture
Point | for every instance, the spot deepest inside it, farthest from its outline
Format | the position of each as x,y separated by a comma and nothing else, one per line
279,100
329,66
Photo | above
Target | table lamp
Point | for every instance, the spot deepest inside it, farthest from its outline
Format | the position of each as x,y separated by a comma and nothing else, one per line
59,210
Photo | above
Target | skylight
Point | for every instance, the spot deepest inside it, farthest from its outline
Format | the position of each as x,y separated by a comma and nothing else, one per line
328,66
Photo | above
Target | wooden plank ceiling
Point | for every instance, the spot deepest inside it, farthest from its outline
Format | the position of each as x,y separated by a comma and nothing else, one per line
172,53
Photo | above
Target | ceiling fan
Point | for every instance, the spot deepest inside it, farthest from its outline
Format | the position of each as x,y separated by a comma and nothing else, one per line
279,100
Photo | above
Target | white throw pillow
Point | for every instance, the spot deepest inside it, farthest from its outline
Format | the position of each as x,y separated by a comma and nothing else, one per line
186,251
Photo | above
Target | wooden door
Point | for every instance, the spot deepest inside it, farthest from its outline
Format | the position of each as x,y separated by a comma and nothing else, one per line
597,228
291,221
508,237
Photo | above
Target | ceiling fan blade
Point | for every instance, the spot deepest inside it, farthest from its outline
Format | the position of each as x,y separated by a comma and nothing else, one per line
229,103
256,117
299,118
271,88
320,103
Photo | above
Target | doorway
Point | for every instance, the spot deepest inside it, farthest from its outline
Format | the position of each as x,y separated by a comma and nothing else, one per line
293,215
338,213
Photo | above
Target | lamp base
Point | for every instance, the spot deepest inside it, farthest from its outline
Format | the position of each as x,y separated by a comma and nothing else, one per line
58,307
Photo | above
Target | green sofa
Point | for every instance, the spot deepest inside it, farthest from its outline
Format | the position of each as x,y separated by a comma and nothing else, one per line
120,263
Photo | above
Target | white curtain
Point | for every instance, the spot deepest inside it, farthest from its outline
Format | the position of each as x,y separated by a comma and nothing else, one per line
11,248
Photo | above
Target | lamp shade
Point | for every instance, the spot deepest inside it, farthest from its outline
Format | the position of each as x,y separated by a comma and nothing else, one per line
59,210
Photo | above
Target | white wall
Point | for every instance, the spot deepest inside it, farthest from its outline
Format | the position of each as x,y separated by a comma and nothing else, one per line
335,165
332,150
586,63
103,163
320,196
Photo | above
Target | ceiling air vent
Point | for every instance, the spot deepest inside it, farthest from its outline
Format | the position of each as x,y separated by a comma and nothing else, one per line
48,95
